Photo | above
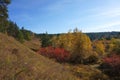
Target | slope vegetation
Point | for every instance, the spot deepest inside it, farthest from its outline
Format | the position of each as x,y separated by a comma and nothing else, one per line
18,62
34,44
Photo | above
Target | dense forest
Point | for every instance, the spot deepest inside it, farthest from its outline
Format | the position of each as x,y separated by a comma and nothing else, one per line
88,56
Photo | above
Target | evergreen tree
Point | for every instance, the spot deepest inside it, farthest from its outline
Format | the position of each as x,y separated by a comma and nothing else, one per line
3,15
26,34
20,36
45,39
13,29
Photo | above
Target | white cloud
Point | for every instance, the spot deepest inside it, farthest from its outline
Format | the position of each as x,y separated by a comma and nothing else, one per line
109,13
111,26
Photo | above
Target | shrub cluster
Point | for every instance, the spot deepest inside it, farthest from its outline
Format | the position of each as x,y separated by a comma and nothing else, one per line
60,54
113,61
111,66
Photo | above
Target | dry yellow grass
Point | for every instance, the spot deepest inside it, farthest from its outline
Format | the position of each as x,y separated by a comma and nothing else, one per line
33,44
17,62
87,72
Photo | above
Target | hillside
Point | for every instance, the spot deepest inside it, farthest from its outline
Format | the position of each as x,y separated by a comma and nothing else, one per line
34,44
18,62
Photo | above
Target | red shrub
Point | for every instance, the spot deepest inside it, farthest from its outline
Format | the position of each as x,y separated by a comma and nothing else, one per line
59,54
113,61
111,66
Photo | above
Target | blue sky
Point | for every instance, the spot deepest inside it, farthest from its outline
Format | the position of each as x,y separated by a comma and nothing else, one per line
59,16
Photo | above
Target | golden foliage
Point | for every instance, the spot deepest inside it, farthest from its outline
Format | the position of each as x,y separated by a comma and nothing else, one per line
99,47
77,43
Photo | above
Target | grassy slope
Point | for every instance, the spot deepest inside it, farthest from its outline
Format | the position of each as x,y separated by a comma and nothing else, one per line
88,72
33,44
18,62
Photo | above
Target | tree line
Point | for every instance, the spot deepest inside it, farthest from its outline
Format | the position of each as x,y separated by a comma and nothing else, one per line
9,27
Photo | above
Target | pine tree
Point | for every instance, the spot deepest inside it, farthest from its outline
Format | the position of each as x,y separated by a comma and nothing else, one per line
20,36
3,15
26,34
45,39
12,29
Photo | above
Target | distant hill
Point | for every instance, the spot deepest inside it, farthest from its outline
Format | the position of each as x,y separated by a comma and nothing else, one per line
105,35
17,62
92,35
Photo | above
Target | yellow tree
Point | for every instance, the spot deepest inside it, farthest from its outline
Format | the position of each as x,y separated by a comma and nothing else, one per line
77,43
115,46
60,41
64,41
99,48
81,47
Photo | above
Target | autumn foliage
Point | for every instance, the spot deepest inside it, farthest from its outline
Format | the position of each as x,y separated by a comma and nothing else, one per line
111,66
60,54
113,61
77,43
